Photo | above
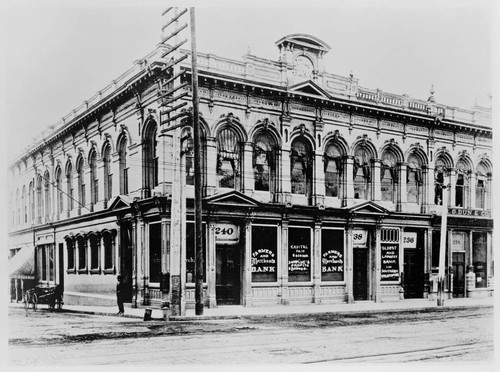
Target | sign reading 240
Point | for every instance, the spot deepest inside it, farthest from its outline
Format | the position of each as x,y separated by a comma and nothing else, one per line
227,233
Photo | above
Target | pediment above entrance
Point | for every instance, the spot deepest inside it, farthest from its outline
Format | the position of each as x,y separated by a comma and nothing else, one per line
309,87
120,202
232,198
368,207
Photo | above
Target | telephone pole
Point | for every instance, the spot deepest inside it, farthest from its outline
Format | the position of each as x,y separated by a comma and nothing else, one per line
442,247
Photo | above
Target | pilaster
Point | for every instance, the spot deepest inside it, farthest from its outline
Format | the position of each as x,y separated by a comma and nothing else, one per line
247,267
377,191
402,196
378,294
283,280
319,180
211,166
348,180
211,273
349,295
248,176
316,261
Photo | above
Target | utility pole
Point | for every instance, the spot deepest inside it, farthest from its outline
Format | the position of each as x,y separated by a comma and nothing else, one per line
197,174
442,247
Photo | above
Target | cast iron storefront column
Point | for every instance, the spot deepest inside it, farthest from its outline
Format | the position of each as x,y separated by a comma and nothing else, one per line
283,282
247,267
349,265
248,176
376,280
348,181
377,191
316,260
402,197
211,273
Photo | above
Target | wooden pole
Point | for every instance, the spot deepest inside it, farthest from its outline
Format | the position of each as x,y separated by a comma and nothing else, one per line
442,247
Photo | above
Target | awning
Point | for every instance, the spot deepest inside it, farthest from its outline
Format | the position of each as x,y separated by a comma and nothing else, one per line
22,265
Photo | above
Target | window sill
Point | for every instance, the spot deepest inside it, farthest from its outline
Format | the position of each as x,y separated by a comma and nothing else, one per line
82,271
95,271
71,271
110,271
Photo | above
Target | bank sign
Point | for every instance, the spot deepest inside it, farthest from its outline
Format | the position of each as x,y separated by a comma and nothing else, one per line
469,212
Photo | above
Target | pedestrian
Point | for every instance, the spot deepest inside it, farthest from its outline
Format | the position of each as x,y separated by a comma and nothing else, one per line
119,294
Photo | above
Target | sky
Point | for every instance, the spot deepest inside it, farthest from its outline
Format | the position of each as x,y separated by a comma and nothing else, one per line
56,55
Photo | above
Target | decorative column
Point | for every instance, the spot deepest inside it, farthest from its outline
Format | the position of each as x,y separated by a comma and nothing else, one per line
428,188
144,262
100,184
283,280
349,295
402,197
316,262
114,165
286,185
348,180
211,182
377,191
378,294
452,180
319,179
247,174
135,258
428,259
471,190
117,243
247,282
211,273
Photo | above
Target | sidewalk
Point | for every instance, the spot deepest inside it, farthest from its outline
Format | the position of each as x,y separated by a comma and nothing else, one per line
234,312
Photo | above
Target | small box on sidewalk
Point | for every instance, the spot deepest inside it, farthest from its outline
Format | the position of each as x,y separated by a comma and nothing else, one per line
147,314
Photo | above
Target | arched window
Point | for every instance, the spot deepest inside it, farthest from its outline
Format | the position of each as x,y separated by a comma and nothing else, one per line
31,192
482,186
122,165
24,208
388,176
70,248
82,253
228,158
18,208
333,170
69,185
301,164
150,159
81,182
264,162
59,191
94,181
362,173
107,241
39,209
93,241
462,185
414,180
46,189
108,180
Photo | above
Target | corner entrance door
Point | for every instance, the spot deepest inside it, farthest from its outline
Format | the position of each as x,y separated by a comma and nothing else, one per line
360,274
458,274
228,275
413,283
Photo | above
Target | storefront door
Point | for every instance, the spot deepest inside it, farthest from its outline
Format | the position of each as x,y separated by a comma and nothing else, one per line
413,274
458,274
126,259
228,275
360,274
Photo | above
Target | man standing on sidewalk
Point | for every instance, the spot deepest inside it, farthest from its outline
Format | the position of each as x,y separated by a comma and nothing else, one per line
120,288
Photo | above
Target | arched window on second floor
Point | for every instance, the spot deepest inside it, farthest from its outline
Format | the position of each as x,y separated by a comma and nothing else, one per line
264,162
150,158
301,163
81,182
122,165
46,189
69,186
59,191
39,199
108,180
333,164
31,192
362,173
462,185
18,208
228,158
414,179
388,176
24,207
94,180
483,176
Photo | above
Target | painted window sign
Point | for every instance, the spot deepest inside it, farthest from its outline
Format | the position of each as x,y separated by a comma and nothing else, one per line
410,240
227,233
264,254
389,262
299,255
332,255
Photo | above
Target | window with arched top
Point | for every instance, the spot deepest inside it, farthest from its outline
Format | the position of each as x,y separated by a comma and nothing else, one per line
31,192
81,182
414,180
94,244
301,163
107,176
264,162
150,158
462,185
362,173
122,165
39,199
388,176
333,170
59,191
94,181
482,186
18,207
69,186
24,208
70,249
228,158
82,252
46,190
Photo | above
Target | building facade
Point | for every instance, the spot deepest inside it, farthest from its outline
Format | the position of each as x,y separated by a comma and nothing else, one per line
316,190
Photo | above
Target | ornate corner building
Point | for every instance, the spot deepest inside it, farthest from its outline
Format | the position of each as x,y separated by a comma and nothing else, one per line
316,190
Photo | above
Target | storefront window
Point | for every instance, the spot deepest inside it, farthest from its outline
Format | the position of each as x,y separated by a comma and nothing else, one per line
94,251
155,252
332,255
299,254
107,240
479,247
70,248
82,254
190,252
389,255
264,254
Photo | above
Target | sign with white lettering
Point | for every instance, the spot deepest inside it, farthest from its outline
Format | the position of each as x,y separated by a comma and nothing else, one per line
227,233
410,240
299,255
359,238
469,212
458,242
389,270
